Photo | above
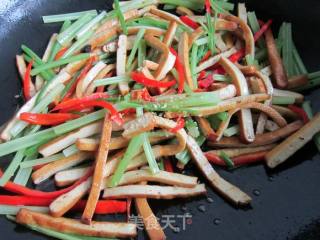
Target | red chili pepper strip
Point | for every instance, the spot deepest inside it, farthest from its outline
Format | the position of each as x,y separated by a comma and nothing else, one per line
237,56
140,78
128,111
207,82
18,189
83,73
206,57
180,125
100,89
60,53
168,165
188,21
208,6
262,30
238,161
103,206
300,112
76,102
180,69
202,75
47,119
27,82
115,116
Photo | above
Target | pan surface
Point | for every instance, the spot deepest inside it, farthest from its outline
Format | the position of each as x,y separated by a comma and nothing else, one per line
286,202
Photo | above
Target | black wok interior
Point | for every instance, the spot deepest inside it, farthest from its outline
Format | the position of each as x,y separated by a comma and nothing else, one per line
288,206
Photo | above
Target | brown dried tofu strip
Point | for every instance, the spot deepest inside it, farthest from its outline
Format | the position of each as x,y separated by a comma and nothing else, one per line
229,191
169,36
153,191
231,104
292,144
152,226
65,225
261,140
121,63
164,177
98,171
278,70
297,81
246,31
286,112
183,51
245,116
206,128
64,163
167,59
184,11
102,37
60,143
90,144
270,112
235,152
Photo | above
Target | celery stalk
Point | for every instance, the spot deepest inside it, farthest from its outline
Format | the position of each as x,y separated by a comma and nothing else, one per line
59,63
134,49
11,169
67,36
78,45
91,25
283,100
227,160
56,47
67,16
111,80
72,149
40,161
231,131
192,4
296,56
49,74
193,65
132,150
142,52
120,17
184,157
308,109
42,105
23,175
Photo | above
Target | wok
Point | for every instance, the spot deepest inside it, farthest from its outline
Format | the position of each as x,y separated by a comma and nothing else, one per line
286,201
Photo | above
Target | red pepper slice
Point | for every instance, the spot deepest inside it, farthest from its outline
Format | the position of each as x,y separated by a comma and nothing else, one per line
47,119
27,82
83,73
202,75
60,53
18,189
207,6
237,56
168,165
301,113
103,206
206,57
76,102
238,161
263,29
180,125
188,21
207,82
115,116
180,69
141,78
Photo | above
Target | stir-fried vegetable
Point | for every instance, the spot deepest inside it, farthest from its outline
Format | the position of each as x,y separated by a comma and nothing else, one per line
142,69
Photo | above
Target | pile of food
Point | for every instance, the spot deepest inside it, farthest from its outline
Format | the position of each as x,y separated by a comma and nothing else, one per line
121,102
